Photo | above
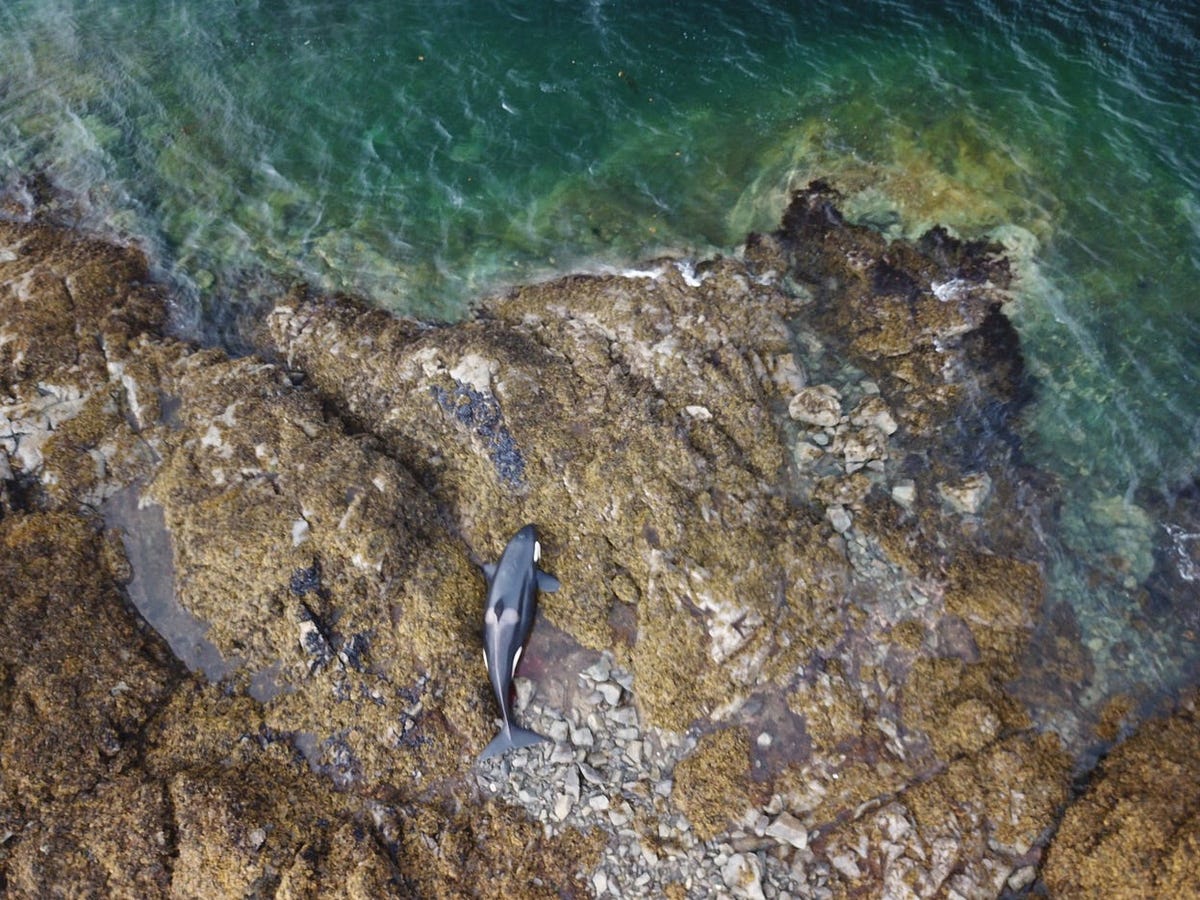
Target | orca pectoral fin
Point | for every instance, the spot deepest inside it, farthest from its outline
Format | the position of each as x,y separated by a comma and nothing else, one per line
489,571
546,582
511,738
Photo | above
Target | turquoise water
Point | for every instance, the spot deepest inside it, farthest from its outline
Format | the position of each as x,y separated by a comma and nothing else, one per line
424,153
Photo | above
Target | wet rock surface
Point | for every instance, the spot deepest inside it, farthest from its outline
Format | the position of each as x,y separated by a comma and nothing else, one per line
779,491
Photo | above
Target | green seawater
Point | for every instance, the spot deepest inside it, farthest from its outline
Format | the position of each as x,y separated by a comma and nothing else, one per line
422,154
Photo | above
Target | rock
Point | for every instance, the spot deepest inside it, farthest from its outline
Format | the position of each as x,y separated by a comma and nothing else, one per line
789,374
571,783
1021,878
967,495
788,829
872,411
633,752
610,692
743,876
1115,532
599,670
590,774
618,817
805,454
524,691
562,806
861,446
905,493
838,518
1133,832
847,865
819,405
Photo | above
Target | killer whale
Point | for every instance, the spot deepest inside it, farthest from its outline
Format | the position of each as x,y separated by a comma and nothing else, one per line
513,583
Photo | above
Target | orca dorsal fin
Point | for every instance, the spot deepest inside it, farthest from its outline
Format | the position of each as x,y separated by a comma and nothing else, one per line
546,582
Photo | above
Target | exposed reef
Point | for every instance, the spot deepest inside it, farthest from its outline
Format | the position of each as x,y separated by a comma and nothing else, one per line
781,493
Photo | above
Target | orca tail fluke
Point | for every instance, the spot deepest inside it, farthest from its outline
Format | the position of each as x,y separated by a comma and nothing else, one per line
511,737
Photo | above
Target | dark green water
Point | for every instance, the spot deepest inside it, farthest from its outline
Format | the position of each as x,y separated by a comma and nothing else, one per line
423,153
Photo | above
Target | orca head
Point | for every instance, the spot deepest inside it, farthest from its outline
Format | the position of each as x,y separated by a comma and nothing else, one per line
527,537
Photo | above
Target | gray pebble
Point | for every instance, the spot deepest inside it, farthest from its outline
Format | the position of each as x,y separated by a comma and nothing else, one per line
599,670
590,775
571,783
625,715
838,518
788,829
610,691
562,807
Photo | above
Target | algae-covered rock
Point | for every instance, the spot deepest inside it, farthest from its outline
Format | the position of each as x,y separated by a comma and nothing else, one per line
63,295
493,850
711,784
246,831
114,840
83,680
65,302
320,566
1135,831
806,605
966,830
634,419
83,675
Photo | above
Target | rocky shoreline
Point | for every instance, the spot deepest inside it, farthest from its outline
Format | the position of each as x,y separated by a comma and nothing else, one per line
781,492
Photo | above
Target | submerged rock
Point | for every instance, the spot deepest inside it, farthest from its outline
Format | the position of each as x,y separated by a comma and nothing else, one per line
819,405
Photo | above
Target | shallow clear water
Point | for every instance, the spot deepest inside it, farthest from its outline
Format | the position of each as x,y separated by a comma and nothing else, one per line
423,153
